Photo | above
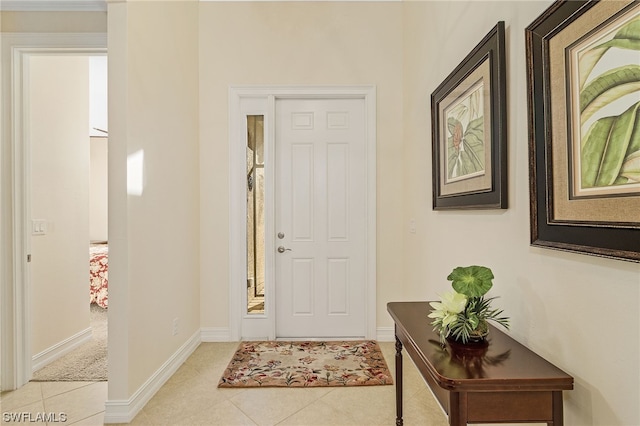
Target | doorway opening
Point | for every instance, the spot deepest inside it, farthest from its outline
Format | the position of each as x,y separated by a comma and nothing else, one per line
65,118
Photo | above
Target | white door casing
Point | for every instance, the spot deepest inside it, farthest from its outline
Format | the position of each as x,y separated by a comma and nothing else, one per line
246,100
15,357
320,194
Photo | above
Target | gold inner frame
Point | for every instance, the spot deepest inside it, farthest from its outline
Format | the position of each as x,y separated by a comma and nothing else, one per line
480,183
596,211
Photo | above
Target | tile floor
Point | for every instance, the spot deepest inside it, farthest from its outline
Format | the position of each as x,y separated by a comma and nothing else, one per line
191,397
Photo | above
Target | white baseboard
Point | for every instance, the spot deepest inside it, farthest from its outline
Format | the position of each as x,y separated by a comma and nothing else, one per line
386,334
123,411
60,349
215,334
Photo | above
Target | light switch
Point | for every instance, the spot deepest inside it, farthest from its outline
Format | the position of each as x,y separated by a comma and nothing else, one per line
39,227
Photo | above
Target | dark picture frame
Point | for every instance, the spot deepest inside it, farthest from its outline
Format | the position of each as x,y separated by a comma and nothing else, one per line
582,199
469,130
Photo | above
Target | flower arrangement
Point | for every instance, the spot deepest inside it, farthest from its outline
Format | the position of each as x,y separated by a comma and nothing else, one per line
463,312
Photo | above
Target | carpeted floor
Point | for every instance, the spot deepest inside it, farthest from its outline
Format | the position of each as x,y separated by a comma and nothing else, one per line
306,364
87,363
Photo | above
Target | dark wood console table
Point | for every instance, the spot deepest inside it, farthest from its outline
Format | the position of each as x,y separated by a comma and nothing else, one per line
500,382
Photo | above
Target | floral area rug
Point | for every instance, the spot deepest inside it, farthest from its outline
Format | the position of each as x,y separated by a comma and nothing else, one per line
306,364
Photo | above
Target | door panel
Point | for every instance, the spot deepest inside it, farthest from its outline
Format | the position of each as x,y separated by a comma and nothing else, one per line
320,195
302,191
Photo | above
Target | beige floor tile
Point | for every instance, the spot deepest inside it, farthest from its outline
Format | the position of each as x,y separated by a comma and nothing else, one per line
221,414
185,373
186,414
97,420
229,393
412,380
28,394
269,406
80,403
175,409
140,419
422,408
208,355
26,414
366,404
174,413
198,391
318,414
50,389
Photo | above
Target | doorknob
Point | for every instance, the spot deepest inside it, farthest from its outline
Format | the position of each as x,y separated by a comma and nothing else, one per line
281,249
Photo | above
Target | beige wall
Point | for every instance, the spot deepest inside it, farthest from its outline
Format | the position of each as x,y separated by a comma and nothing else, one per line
154,236
98,196
53,22
291,43
58,94
578,311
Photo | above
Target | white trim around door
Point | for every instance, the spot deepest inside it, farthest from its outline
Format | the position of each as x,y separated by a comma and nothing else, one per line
16,358
260,100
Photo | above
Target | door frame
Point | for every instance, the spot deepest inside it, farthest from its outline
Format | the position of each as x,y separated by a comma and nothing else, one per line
246,100
15,347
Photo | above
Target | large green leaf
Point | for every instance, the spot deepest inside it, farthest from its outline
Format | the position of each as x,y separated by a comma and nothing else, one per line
452,158
609,141
474,135
453,144
475,108
631,167
472,281
470,157
634,138
467,163
628,37
608,87
473,155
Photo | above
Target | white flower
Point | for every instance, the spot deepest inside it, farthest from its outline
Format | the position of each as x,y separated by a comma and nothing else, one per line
452,304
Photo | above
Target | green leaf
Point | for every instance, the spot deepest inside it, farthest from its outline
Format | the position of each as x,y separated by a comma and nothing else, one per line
606,147
451,160
608,87
472,281
473,321
628,37
453,143
634,139
472,157
475,109
474,135
631,167
468,163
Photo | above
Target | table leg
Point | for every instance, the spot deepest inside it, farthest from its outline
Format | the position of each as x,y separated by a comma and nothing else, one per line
558,417
399,421
458,409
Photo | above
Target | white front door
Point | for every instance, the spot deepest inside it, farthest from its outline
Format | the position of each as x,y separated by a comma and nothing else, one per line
320,218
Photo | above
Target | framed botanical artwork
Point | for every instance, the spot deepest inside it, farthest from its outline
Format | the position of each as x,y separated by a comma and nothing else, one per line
468,124
583,77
